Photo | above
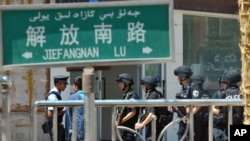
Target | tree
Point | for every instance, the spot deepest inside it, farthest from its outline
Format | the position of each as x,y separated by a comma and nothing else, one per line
244,19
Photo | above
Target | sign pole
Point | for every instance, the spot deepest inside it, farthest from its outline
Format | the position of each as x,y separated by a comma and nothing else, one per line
5,83
88,85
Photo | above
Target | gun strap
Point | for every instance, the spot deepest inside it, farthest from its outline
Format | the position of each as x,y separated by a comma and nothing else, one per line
122,108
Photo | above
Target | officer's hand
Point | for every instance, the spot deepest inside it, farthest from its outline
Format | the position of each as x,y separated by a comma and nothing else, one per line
184,121
138,126
64,109
171,109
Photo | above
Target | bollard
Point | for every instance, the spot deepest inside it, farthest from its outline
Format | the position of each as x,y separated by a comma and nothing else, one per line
5,84
88,86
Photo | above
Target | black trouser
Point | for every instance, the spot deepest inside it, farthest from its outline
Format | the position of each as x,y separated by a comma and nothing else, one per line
181,130
198,126
128,136
60,133
198,129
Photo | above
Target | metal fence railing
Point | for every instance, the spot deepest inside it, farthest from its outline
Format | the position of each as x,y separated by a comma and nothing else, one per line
138,103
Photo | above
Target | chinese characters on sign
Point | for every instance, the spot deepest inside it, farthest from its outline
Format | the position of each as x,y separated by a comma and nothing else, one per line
103,32
90,34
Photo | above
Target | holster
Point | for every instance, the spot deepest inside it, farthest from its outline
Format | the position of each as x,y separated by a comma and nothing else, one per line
220,121
47,126
164,120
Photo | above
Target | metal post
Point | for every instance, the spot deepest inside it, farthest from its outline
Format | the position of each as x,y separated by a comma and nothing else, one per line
74,132
6,84
52,1
153,127
230,120
113,125
55,124
99,110
88,85
33,119
191,123
93,0
210,124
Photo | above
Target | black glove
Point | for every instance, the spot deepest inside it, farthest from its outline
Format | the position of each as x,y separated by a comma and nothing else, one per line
181,95
236,119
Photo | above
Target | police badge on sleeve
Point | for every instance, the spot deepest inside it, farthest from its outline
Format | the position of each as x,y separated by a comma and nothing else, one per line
195,93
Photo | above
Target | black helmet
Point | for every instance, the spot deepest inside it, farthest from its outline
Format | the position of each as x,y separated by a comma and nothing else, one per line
222,79
232,76
126,78
183,71
149,82
197,78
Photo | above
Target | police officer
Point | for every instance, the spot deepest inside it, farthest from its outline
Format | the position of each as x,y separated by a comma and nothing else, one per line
223,85
220,119
60,82
149,84
127,116
231,91
188,91
200,121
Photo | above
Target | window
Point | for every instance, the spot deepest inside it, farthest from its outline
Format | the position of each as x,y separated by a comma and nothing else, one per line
211,46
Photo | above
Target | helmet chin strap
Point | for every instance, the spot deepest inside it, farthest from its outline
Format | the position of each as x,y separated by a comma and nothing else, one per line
125,88
183,79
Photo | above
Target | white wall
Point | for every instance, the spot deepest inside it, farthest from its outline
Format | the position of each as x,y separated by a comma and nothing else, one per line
173,85
28,86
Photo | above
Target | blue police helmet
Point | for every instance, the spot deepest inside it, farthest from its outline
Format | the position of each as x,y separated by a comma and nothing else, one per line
197,78
232,76
222,79
126,78
183,71
149,82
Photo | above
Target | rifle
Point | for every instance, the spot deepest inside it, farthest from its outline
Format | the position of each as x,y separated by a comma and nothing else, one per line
179,113
120,115
143,117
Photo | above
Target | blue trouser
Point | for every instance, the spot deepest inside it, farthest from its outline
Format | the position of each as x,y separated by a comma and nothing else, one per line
219,135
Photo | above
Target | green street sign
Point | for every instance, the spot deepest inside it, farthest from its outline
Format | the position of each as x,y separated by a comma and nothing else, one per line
84,33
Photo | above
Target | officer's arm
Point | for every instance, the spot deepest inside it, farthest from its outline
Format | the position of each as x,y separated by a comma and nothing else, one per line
195,109
53,97
50,113
61,112
215,110
129,115
148,119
